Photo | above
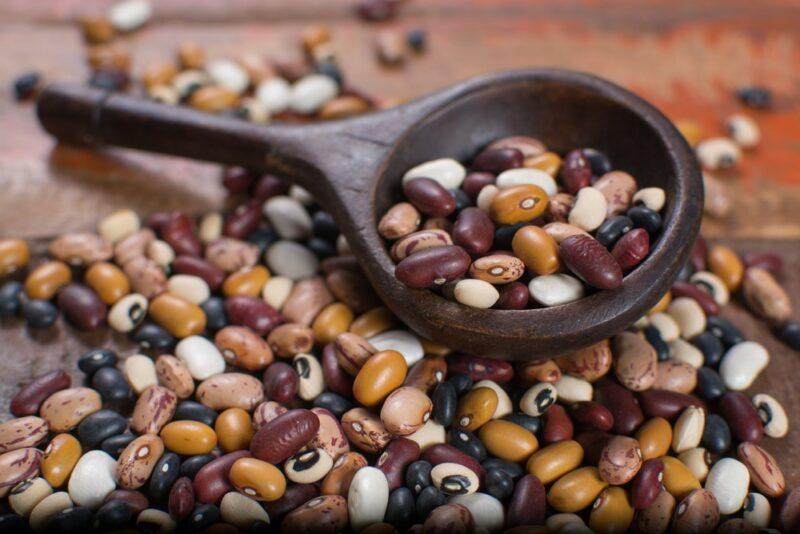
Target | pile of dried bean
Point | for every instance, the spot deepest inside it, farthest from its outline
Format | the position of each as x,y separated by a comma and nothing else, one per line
271,388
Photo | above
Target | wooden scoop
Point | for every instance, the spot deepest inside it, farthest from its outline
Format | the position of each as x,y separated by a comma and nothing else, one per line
354,167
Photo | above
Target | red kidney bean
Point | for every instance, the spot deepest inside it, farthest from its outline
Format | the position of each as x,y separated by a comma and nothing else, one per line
593,442
631,248
513,296
528,503
395,458
473,230
335,377
480,368
295,496
497,160
440,453
181,498
211,482
30,397
766,260
699,253
158,220
429,197
622,405
593,415
433,266
557,425
666,404
646,484
243,220
475,181
686,289
210,273
738,411
280,382
789,513
253,313
180,233
576,172
82,307
237,179
269,186
591,261
135,499
285,435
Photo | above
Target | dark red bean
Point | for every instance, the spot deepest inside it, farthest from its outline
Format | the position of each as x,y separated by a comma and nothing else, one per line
243,220
646,484
180,233
766,260
513,296
706,301
622,404
593,415
395,458
475,181
631,248
30,397
135,499
497,160
699,253
480,368
528,503
237,179
433,266
473,230
211,482
181,499
280,438
210,273
593,442
295,496
335,377
741,416
557,425
337,263
253,313
82,307
666,404
280,382
440,453
269,186
789,513
591,261
576,172
429,197
158,220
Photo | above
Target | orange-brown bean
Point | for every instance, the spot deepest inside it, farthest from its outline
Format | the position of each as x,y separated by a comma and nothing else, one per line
46,279
179,317
373,322
537,250
654,437
519,203
14,255
384,372
234,429
108,281
337,481
243,348
257,479
726,264
60,457
508,440
246,281
289,339
476,408
331,321
189,438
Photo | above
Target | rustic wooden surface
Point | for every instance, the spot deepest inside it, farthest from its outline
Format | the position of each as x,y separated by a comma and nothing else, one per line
686,58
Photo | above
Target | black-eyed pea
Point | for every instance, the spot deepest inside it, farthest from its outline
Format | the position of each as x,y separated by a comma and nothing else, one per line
331,321
698,460
654,437
743,130
713,285
308,466
108,281
756,510
60,457
405,410
576,490
174,375
137,461
454,479
365,430
476,408
556,460
248,281
718,153
508,441
772,414
620,460
337,481
128,312
45,280
257,479
289,339
697,512
153,520
311,383
24,497
612,512
678,479
234,429
154,409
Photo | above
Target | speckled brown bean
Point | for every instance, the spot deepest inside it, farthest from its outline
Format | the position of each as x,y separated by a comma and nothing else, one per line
266,412
60,457
528,503
476,408
45,280
622,405
741,416
327,513
590,363
654,437
64,409
449,519
433,267
211,483
294,497
765,296
137,461
210,273
405,410
243,348
145,276
133,246
481,368
473,230
647,484
559,207
290,339
365,430
330,437
230,390
181,499
537,250
395,458
108,281
381,374
666,404
307,298
82,307
592,415
173,374
520,203
656,517
14,254
765,473
282,437
337,380
234,430
28,399
532,373
399,221
557,425
620,460
726,264
591,262
576,172
153,410
352,351
231,254
697,513
675,376
337,481
16,466
23,432
418,241
426,374
280,382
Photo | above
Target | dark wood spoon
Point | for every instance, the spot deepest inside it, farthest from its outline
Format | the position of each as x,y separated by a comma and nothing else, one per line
353,167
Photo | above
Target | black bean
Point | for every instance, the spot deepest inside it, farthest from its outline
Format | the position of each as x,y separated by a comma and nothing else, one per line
39,313
259,527
194,411
417,39
653,336
418,476
109,79
202,517
333,402
463,200
429,499
99,426
461,382
514,470
331,70
166,471
711,347
13,523
113,515
468,443
324,226
725,330
445,401
96,359
612,229
10,299
216,319
646,218
152,337
710,385
25,86
598,161
791,335
76,519
112,385
263,238
499,485
116,444
321,248
401,509
755,96
191,465
504,234
717,434
528,422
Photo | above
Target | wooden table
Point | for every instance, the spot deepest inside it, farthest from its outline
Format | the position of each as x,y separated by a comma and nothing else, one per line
688,59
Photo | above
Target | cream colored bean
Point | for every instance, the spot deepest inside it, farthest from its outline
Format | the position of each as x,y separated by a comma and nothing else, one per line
524,176
188,287
682,351
447,171
742,364
210,227
140,372
118,225
718,153
476,293
688,430
689,316
652,197
589,210
571,389
277,290
728,481
486,196
666,325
